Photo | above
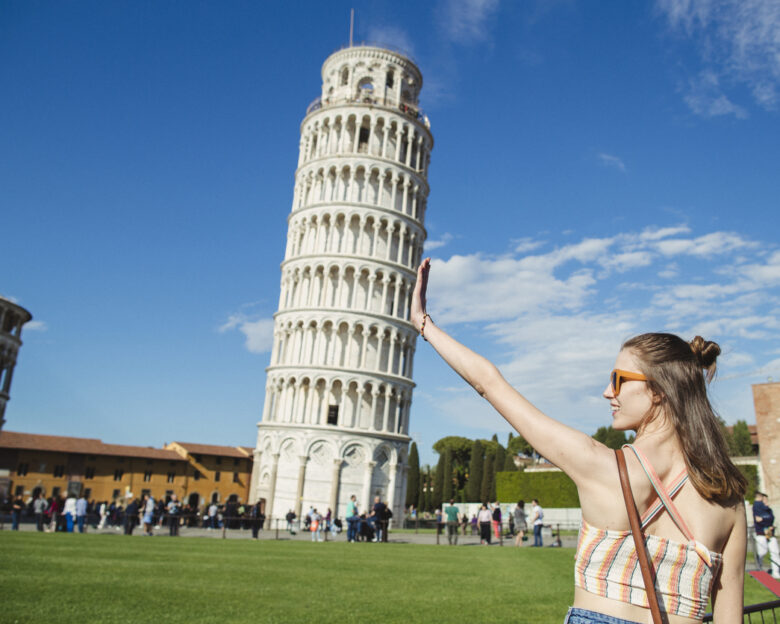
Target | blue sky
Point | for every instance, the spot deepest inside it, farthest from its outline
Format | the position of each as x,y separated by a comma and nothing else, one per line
599,170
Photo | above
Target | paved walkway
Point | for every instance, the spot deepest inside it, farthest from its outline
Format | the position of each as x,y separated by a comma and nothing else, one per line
396,537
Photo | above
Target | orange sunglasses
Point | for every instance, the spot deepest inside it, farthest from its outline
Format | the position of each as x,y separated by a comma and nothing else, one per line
619,376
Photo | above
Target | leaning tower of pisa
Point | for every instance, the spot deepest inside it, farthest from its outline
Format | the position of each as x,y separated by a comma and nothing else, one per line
339,386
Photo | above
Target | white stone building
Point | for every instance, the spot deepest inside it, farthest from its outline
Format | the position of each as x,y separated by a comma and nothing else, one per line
12,318
339,386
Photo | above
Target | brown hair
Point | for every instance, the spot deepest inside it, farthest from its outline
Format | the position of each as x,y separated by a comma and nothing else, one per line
676,372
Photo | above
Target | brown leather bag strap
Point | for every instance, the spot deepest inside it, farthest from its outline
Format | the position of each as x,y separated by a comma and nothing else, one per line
639,541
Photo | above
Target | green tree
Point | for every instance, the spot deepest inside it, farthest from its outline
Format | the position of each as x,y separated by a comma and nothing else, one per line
500,459
438,484
460,447
486,487
518,445
420,494
739,440
476,468
609,437
428,490
413,479
509,463
447,492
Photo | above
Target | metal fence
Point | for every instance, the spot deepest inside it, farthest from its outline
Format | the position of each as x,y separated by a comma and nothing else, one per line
763,613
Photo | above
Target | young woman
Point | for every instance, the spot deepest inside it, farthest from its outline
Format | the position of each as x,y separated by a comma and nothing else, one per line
696,538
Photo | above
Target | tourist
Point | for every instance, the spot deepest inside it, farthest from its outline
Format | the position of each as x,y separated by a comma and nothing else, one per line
658,389
69,511
213,510
537,520
39,509
474,525
766,541
453,515
81,512
497,520
379,513
148,514
131,515
315,525
16,512
290,517
173,508
521,522
256,519
485,519
352,519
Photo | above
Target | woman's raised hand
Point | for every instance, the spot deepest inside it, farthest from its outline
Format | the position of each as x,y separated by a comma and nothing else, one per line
418,297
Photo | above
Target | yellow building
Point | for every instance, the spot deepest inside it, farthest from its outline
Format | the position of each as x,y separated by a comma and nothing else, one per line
220,473
196,473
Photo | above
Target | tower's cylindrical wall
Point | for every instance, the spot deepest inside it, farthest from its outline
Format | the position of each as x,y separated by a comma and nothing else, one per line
339,384
12,318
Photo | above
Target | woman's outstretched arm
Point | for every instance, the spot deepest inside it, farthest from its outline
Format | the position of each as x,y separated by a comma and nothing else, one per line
572,451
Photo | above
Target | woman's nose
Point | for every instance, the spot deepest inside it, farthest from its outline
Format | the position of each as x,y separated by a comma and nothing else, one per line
608,393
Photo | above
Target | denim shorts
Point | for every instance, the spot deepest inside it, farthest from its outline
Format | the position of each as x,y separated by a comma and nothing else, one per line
583,616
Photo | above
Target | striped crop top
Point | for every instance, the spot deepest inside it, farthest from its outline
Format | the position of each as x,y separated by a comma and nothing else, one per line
607,564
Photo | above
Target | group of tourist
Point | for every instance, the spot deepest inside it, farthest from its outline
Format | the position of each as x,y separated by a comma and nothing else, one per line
488,522
69,513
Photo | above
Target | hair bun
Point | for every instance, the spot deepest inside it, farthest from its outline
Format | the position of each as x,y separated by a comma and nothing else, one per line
706,353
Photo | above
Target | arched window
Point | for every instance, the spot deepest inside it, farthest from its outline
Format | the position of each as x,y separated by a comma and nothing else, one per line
345,76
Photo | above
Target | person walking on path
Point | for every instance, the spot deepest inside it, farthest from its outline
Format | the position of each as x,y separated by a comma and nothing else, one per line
453,515
353,519
16,512
39,509
148,511
70,513
81,512
537,519
497,520
315,525
131,516
521,522
173,508
766,541
688,491
485,518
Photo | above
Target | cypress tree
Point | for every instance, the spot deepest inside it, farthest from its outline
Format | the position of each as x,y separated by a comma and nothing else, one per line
420,494
447,491
486,487
428,490
509,463
438,484
413,480
495,468
474,483
500,458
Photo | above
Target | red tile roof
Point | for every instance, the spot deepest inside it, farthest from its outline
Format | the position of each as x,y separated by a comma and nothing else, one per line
85,446
212,449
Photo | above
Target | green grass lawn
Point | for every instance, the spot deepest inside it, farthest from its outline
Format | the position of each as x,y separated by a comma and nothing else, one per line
112,578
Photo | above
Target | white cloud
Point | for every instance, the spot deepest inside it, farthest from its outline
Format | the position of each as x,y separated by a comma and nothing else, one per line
738,42
259,333
557,318
466,21
651,234
430,245
707,245
36,326
524,245
396,38
705,98
612,161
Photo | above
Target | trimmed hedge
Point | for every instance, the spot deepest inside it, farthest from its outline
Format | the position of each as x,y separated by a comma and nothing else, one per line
556,489
553,489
